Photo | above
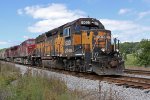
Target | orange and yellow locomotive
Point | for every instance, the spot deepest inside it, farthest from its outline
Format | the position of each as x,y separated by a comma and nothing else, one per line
81,45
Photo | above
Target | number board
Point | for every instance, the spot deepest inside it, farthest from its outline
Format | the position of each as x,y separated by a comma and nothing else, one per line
85,22
89,22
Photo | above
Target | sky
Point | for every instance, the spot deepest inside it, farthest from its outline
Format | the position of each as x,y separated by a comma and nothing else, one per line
128,20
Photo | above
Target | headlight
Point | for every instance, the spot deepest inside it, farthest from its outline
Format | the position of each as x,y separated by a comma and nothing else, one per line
117,50
103,49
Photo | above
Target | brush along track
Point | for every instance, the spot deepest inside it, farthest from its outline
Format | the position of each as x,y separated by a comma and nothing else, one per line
138,72
126,81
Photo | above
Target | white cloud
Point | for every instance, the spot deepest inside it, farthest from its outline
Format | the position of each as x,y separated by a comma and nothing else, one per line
25,37
143,14
134,12
45,25
19,11
3,42
126,30
50,16
8,43
118,25
54,15
124,11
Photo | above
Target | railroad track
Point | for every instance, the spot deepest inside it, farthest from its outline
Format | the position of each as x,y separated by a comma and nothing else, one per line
139,72
126,81
133,82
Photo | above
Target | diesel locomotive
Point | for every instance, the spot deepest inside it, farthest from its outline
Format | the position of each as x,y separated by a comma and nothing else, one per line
19,53
81,45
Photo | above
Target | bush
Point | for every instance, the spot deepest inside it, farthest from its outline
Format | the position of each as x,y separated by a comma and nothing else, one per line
13,86
143,54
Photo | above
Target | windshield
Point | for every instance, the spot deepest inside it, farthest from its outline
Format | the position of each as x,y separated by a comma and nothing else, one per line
31,42
88,27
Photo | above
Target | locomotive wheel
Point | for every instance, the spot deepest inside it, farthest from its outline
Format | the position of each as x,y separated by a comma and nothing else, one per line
53,63
32,62
82,68
69,66
77,69
39,63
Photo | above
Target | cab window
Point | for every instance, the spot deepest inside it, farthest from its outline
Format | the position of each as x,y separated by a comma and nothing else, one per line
66,32
31,42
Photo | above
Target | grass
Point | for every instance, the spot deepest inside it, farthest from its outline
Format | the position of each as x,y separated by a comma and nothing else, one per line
40,88
13,86
8,73
131,63
131,60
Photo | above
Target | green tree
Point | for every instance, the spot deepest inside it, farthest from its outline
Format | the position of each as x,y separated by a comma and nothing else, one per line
143,54
129,47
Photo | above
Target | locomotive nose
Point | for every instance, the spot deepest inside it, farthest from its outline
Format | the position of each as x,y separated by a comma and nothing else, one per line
31,46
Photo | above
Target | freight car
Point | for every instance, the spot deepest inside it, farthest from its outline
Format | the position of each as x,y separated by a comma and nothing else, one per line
82,45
